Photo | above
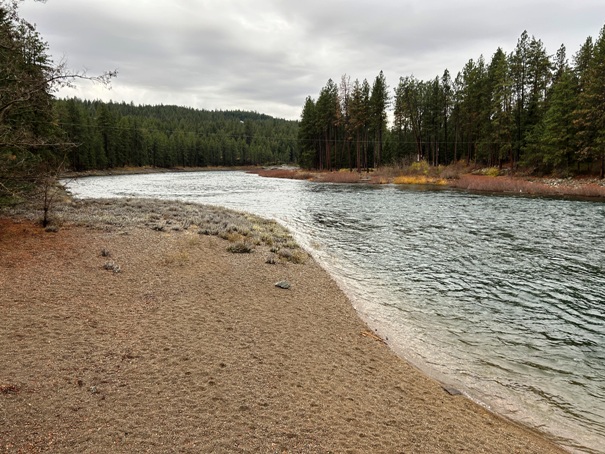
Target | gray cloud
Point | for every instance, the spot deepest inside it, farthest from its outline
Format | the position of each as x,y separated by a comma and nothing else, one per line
268,55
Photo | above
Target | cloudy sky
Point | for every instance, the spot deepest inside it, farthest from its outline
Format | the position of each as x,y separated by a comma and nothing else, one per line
269,55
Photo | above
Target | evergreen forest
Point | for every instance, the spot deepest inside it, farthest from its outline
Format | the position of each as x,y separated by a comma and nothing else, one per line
523,109
109,135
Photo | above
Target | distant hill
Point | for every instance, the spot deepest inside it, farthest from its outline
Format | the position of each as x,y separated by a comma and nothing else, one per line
109,135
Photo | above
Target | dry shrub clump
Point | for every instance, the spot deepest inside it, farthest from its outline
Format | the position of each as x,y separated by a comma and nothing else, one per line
240,247
176,258
487,171
421,173
419,179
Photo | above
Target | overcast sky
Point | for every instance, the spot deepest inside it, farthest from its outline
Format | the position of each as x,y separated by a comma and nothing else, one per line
269,55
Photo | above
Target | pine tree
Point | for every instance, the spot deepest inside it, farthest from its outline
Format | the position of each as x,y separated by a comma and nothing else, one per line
499,109
379,102
590,115
328,114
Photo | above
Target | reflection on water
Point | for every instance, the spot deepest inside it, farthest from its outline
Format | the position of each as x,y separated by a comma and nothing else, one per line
502,296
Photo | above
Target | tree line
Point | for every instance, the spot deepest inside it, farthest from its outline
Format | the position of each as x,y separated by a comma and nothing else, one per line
523,109
108,135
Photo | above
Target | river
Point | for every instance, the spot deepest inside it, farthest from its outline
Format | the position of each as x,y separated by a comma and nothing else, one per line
500,296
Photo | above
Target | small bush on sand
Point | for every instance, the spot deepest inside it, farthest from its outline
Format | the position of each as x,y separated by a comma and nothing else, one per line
239,248
232,237
179,258
293,256
298,257
208,231
159,227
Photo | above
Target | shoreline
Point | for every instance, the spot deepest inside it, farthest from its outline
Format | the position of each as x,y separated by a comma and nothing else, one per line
579,188
198,341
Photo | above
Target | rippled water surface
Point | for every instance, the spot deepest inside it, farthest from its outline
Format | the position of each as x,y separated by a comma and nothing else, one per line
501,296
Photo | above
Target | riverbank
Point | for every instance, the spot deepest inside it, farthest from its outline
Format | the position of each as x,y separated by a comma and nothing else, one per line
144,170
478,181
133,328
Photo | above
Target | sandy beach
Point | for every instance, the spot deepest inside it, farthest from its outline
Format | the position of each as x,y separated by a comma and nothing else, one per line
138,331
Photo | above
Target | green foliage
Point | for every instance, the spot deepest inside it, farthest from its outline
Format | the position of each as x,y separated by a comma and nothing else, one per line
520,108
25,112
33,149
419,168
335,130
590,112
110,135
379,101
492,172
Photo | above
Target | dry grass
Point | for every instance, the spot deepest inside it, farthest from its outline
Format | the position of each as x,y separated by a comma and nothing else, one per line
339,177
176,258
293,174
546,187
166,216
418,179
457,175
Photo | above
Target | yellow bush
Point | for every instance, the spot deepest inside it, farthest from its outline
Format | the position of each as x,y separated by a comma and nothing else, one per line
418,179
420,167
410,179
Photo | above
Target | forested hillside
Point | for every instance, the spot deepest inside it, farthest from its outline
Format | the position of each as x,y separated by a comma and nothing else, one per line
109,135
525,108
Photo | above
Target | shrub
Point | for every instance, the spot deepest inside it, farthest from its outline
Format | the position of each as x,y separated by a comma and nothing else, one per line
418,179
296,256
180,258
239,248
232,237
410,179
208,231
285,254
492,172
159,227
420,168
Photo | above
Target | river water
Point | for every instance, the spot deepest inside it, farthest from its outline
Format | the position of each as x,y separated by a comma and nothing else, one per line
500,296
